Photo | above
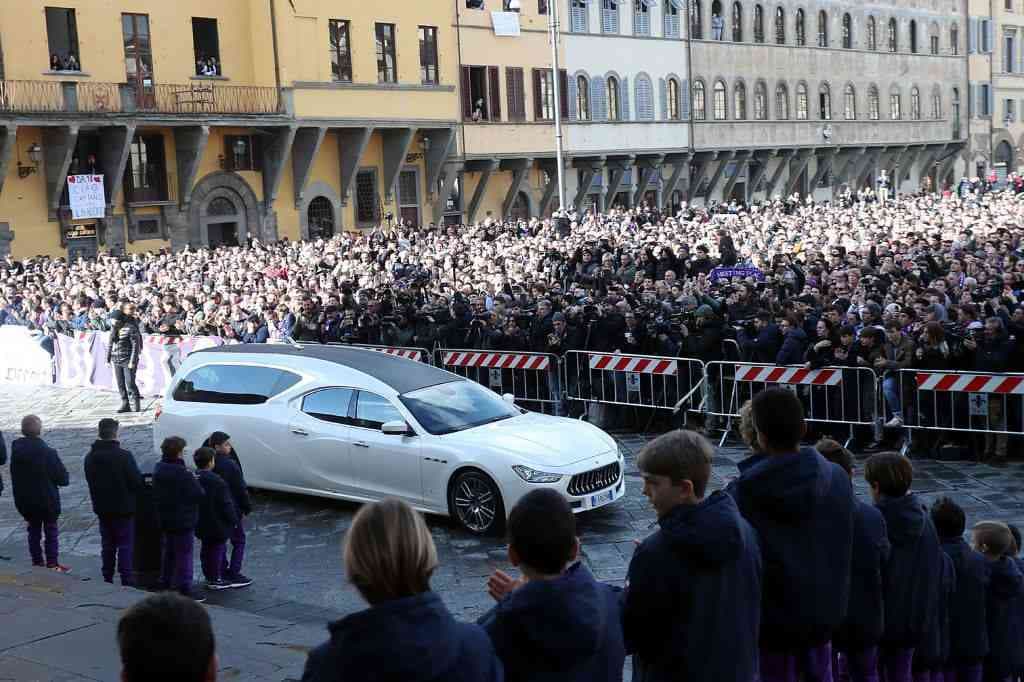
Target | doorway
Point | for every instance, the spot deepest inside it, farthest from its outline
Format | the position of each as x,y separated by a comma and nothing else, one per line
223,222
223,234
409,197
82,248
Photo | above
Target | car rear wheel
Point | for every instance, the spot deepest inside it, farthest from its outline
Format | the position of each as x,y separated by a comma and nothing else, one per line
475,502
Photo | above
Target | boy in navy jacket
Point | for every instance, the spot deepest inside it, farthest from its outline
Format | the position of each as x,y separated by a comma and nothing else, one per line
693,591
176,494
914,573
557,623
802,508
228,467
995,542
1016,629
968,645
217,516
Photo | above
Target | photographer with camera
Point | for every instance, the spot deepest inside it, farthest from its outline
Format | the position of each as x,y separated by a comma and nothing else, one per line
992,351
759,339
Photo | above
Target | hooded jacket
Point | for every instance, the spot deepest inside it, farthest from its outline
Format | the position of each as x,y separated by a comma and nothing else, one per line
217,514
913,574
1004,590
693,597
227,467
802,508
794,345
36,473
414,639
968,632
865,614
1015,627
176,495
564,630
932,652
113,477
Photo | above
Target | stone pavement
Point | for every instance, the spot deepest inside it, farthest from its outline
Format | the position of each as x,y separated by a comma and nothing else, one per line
293,551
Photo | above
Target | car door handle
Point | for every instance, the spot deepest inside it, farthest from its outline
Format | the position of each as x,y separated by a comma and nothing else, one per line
361,444
300,432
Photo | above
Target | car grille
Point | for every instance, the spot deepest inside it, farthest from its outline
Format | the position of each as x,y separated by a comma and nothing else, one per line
595,479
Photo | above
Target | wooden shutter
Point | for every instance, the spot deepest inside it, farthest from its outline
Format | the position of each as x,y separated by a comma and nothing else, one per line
494,90
563,92
257,150
538,105
467,94
514,93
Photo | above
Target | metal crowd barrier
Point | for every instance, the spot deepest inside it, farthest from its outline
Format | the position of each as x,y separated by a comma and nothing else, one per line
533,378
407,352
634,380
833,395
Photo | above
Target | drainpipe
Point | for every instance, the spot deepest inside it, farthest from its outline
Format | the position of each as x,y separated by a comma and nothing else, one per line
277,61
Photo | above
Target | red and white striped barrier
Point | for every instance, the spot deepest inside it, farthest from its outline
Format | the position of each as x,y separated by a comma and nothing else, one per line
970,383
788,375
496,360
625,363
406,353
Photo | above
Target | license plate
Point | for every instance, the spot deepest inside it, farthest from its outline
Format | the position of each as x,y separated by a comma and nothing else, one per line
602,498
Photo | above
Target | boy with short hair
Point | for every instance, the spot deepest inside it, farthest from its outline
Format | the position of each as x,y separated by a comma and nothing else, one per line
995,542
557,623
217,516
176,496
166,637
693,591
1016,629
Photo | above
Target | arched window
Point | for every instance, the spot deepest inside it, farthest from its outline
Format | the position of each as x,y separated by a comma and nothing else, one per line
641,18
892,38
954,39
872,34
915,104
933,38
781,102
849,103
873,103
582,98
320,218
895,105
737,22
801,28
758,24
612,97
696,22
824,102
671,19
644,98
780,26
936,104
822,28
847,32
913,36
801,102
221,206
760,101
700,108
739,102
718,103
609,16
578,16
674,113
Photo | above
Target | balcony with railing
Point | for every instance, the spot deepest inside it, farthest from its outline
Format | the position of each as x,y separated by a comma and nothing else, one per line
195,99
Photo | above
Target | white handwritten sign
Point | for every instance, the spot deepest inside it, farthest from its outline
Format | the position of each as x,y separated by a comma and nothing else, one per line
505,23
85,193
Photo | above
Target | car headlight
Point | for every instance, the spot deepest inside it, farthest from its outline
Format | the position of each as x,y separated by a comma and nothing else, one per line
533,476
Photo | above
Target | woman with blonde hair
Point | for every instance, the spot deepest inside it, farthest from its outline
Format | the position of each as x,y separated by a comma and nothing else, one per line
407,633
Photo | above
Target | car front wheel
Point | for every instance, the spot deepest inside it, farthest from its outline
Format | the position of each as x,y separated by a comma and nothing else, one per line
475,502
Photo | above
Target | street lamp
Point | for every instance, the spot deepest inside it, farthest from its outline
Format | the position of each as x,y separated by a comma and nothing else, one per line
35,155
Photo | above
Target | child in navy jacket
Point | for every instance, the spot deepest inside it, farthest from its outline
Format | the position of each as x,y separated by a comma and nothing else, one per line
995,541
217,516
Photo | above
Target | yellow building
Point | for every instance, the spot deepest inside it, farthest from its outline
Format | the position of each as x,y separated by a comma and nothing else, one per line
215,122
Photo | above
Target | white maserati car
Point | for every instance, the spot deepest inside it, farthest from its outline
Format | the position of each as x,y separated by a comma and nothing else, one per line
361,425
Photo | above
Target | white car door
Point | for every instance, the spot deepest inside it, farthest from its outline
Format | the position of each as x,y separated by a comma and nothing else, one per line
321,435
384,465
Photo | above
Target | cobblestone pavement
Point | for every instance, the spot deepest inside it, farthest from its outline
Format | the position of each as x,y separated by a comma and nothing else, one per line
293,551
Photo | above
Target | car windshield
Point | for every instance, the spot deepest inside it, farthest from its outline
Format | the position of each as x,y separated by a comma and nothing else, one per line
456,406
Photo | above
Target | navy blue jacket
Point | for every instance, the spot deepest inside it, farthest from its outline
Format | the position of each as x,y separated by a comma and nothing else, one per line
567,629
227,468
764,347
113,477
802,507
865,614
1004,589
3,458
217,514
1015,629
176,494
913,574
414,639
793,348
693,597
36,473
968,633
932,653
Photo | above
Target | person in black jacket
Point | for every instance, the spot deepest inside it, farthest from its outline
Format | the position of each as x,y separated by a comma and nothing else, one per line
228,468
407,633
856,640
557,623
176,495
3,459
114,479
1015,631
217,516
767,341
802,507
693,592
914,573
992,353
995,542
36,475
123,352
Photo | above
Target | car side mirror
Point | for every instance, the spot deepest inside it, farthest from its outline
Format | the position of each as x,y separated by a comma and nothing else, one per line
396,428
509,398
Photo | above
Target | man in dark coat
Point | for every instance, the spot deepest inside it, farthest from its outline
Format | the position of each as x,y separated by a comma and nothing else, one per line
123,352
176,495
114,479
557,623
228,468
217,516
693,591
802,507
36,475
